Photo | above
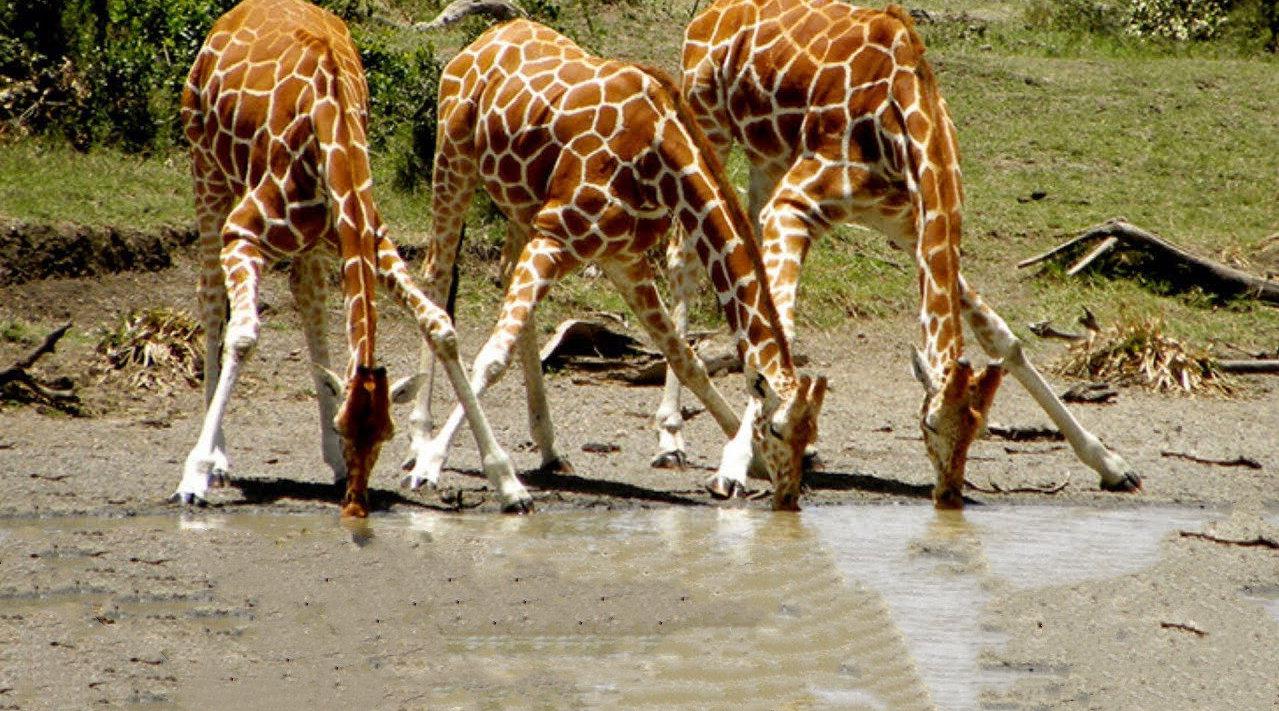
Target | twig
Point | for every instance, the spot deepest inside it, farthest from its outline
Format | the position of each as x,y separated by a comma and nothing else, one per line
1236,462
997,489
1182,626
1258,542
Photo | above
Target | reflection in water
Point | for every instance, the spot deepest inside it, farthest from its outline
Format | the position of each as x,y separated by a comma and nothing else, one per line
936,570
867,607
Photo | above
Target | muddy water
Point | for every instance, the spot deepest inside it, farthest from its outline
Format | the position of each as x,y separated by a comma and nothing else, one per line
871,607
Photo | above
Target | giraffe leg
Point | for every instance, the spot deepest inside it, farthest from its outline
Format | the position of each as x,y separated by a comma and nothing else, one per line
635,282
543,262
438,332
682,266
455,178
541,428
998,340
241,267
213,203
307,282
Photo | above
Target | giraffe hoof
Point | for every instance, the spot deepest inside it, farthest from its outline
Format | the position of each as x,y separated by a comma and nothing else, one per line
1128,483
559,465
186,498
414,482
724,488
520,507
674,459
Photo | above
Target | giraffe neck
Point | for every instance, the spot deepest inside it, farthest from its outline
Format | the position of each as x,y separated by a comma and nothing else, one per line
932,160
711,214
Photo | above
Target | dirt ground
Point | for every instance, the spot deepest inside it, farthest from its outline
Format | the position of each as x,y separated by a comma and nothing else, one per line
67,639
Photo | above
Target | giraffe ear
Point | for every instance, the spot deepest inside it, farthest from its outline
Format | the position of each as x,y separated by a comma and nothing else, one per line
330,381
405,389
920,368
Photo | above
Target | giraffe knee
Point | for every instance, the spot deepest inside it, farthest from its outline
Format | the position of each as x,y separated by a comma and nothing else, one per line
241,339
443,340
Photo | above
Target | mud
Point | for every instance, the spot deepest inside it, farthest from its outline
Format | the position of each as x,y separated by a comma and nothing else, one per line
111,595
38,251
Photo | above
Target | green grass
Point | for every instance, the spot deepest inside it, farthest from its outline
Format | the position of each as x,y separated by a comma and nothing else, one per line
1180,139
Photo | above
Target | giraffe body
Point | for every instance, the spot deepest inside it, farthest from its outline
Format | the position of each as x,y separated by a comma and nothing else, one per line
842,121
594,160
275,109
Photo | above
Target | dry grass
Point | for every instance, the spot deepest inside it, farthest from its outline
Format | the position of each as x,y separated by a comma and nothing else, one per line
1140,353
153,349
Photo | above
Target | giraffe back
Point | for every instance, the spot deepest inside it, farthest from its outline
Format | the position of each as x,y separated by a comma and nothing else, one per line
276,104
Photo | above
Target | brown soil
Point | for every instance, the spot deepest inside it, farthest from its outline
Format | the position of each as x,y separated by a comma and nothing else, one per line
127,460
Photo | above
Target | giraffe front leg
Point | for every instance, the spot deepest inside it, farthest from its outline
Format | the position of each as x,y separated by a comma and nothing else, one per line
999,341
438,332
205,465
635,282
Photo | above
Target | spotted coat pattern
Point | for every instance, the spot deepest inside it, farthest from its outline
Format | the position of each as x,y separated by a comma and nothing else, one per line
594,160
275,109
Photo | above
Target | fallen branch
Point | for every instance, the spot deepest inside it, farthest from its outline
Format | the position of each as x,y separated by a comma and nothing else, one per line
1044,329
1258,542
1096,392
1023,434
1252,365
997,489
1236,462
1205,273
18,372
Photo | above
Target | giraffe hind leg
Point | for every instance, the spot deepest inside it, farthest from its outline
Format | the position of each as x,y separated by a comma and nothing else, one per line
999,341
440,336
681,265
241,264
307,282
543,262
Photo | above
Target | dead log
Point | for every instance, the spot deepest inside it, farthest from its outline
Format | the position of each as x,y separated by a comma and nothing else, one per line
1118,235
1254,365
19,372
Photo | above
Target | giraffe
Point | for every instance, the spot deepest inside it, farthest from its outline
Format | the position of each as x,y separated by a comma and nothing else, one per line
841,119
275,109
593,160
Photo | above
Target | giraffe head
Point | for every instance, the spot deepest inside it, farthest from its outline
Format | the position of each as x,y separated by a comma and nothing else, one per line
364,422
783,429
952,416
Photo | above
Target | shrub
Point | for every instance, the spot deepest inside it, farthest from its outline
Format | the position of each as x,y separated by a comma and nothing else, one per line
1175,19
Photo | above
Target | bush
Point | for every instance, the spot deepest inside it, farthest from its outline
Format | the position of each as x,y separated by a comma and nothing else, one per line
111,72
1175,19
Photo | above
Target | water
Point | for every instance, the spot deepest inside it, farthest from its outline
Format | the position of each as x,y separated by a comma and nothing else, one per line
868,607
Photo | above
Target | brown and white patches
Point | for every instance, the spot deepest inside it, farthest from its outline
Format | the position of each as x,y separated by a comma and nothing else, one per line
842,120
